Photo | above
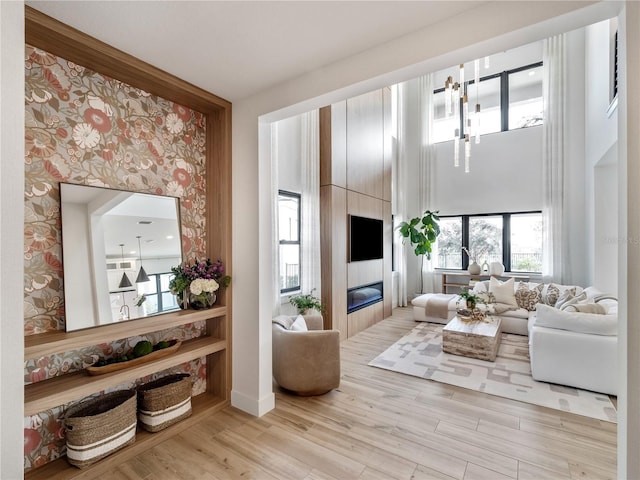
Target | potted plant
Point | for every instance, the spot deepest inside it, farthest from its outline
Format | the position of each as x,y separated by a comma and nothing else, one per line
304,302
470,298
422,232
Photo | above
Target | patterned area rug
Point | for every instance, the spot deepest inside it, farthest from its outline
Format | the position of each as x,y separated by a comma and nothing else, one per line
420,354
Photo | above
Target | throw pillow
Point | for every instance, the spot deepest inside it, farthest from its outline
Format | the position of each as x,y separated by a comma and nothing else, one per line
299,325
527,298
503,292
565,297
582,298
586,308
549,293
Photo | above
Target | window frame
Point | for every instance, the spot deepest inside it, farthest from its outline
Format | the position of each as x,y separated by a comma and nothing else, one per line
298,197
504,97
156,280
506,236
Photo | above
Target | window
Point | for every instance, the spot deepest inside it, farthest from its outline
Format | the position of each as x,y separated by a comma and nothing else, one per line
449,243
525,98
158,296
485,238
514,239
289,236
508,100
526,242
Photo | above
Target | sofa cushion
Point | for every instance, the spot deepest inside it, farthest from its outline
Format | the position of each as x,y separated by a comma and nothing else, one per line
299,324
587,307
527,298
568,296
592,323
503,292
549,293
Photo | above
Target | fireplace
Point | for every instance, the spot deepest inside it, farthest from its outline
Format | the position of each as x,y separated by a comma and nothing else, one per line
363,296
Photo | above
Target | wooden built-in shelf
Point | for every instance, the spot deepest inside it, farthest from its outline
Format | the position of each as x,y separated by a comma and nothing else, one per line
36,346
44,32
61,470
56,391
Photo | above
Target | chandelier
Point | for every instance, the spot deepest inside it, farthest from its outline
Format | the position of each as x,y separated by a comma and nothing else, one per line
456,101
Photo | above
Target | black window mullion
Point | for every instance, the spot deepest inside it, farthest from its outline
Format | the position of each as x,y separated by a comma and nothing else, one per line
506,242
465,241
504,101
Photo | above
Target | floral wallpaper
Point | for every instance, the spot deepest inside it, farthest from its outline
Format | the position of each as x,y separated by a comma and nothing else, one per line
86,128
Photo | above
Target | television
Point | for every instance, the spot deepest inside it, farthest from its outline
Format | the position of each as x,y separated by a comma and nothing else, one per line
365,238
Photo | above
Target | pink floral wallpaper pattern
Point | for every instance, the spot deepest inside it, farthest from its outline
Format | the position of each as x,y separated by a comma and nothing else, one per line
86,128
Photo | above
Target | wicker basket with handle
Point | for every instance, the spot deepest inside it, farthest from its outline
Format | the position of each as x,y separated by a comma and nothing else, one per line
98,426
164,401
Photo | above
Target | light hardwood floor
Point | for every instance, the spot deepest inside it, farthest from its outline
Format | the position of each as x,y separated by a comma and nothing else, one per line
384,425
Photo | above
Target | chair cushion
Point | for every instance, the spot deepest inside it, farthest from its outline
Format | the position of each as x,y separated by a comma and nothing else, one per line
299,325
284,321
592,323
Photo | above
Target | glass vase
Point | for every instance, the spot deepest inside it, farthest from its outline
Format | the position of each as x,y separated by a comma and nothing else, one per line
202,301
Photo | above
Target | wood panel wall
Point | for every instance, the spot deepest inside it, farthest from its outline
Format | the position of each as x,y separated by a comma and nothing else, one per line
355,178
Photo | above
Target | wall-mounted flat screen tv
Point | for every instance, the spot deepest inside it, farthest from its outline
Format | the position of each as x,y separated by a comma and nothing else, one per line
365,238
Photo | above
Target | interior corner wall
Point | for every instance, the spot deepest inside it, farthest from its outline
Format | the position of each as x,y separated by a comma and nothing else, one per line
601,171
11,238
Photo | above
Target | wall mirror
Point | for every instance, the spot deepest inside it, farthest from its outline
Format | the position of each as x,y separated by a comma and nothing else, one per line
118,250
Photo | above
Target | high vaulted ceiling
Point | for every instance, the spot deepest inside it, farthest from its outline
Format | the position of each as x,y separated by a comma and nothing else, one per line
235,49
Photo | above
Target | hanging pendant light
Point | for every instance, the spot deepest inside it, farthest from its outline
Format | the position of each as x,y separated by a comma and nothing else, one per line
124,282
142,275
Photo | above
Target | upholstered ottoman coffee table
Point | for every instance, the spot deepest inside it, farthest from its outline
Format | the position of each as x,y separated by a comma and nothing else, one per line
476,339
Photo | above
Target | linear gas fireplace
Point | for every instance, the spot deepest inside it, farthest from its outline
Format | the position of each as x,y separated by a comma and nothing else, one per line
363,296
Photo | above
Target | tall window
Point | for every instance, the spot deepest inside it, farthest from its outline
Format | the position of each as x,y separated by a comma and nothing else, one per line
514,239
508,100
289,236
449,243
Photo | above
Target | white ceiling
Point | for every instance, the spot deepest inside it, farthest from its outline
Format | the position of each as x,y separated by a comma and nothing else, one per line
235,49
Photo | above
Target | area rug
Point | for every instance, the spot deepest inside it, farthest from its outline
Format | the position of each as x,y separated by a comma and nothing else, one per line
420,354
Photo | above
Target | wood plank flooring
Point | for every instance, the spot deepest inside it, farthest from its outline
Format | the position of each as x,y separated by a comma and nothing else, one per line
384,425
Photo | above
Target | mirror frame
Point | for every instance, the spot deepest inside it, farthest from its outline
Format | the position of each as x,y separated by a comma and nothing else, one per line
86,306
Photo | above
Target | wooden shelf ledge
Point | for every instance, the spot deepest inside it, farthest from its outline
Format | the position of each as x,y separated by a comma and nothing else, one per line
36,346
60,390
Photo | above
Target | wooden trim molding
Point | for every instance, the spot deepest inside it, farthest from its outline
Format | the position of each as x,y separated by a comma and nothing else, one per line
43,31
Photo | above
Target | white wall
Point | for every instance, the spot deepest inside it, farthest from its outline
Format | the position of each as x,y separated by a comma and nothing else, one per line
601,154
289,151
505,174
11,238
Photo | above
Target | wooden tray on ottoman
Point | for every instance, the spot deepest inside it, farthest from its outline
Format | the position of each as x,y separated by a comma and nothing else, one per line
476,339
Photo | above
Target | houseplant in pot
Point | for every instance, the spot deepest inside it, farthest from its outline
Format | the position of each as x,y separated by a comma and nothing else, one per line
422,233
306,302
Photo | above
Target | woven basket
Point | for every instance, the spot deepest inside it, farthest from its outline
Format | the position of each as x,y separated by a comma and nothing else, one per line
99,426
164,401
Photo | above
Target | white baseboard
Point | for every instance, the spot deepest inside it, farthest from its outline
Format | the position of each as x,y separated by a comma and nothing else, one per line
251,405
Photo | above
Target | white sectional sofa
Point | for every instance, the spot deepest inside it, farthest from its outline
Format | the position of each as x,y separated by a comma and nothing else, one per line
568,345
